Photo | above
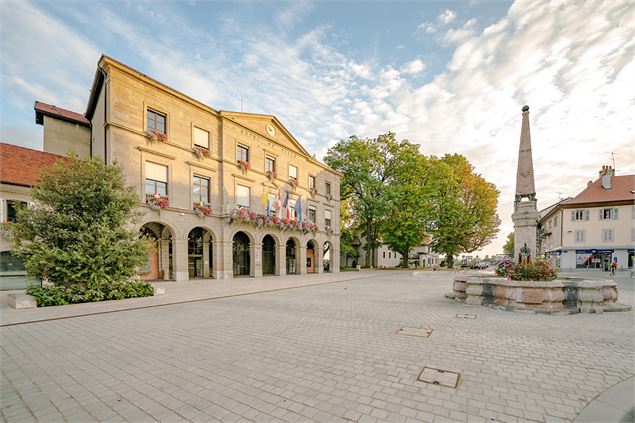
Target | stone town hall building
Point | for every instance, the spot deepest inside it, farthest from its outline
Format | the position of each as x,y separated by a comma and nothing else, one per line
215,187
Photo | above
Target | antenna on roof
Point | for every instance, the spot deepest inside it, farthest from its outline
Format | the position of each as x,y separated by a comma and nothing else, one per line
613,158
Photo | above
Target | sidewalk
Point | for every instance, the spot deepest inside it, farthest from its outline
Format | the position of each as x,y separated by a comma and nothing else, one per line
177,292
613,405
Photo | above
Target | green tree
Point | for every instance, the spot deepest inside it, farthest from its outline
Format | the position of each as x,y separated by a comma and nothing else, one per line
406,224
463,216
369,167
77,231
508,248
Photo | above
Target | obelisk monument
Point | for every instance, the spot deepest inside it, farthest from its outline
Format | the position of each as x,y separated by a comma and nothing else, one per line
525,216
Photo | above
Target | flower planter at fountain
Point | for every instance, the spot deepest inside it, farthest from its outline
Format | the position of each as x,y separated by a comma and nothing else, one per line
568,295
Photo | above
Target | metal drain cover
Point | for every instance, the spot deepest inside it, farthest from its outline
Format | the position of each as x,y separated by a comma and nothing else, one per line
420,332
465,316
439,377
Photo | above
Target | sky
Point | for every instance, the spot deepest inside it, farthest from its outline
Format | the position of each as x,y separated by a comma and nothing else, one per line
451,76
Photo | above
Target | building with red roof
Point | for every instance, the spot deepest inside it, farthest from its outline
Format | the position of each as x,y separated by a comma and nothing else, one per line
20,169
595,227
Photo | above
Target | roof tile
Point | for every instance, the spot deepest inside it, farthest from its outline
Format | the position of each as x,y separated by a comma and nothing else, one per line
22,166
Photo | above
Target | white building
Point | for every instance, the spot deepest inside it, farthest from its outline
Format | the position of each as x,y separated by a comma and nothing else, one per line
595,227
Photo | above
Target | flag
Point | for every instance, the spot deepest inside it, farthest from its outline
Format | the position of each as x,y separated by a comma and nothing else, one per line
298,208
276,204
285,205
265,200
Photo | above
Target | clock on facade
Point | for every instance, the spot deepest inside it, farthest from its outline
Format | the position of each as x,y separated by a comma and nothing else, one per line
271,130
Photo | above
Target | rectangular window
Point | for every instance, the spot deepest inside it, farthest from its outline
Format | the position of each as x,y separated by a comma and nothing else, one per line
327,188
200,190
156,180
270,164
201,138
292,212
12,209
156,121
272,200
607,235
384,254
311,182
327,218
293,172
609,213
580,236
242,153
312,214
243,196
579,215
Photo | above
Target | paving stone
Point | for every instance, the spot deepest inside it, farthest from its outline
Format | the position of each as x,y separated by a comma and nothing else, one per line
311,354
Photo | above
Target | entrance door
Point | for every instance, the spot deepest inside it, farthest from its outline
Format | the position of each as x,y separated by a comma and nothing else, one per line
310,260
241,254
151,271
268,255
291,260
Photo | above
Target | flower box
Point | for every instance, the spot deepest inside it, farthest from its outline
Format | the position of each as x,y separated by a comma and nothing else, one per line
200,152
156,136
244,165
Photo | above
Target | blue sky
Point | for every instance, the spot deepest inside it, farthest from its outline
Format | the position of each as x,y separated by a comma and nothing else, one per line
451,76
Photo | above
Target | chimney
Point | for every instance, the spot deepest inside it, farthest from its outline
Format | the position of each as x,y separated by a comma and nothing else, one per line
588,184
606,174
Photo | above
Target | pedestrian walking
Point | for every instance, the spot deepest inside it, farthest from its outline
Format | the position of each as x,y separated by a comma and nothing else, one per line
613,265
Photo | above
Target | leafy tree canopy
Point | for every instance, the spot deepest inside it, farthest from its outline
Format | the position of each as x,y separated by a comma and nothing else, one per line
76,232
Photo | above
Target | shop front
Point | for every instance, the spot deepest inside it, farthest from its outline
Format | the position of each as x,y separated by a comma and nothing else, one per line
593,259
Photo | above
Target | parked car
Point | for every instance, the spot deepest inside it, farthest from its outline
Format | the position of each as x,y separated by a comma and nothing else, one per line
480,265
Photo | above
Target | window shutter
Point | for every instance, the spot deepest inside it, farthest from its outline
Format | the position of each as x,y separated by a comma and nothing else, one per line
615,213
586,214
601,214
572,215
156,172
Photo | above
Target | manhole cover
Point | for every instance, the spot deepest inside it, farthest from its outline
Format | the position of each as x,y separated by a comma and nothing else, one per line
465,316
439,377
420,332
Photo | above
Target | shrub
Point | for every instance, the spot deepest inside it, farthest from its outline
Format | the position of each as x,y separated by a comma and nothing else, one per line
540,270
53,295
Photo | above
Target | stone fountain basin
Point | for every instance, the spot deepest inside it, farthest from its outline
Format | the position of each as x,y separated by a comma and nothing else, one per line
569,295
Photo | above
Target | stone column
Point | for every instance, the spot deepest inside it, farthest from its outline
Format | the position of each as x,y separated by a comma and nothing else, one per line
256,260
318,253
335,256
301,259
281,259
179,255
206,263
223,266
164,258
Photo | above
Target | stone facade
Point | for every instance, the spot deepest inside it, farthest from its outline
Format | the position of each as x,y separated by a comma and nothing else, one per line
126,105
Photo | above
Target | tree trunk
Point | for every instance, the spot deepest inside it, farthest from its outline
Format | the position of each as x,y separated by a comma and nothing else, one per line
369,237
450,261
404,256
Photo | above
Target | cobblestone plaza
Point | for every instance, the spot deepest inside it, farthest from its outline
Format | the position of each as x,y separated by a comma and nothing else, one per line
324,353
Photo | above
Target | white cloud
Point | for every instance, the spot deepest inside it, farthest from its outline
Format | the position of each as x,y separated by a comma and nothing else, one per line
572,63
294,13
446,16
427,27
458,35
414,67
